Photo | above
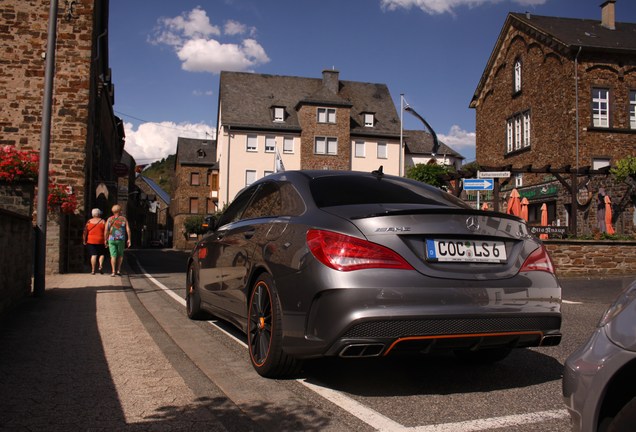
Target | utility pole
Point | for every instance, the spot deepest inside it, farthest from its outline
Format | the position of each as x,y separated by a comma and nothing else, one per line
45,137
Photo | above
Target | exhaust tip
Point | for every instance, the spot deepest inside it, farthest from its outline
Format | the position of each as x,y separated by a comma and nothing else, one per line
362,350
550,340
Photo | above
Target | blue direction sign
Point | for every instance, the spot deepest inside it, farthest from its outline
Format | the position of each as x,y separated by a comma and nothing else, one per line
478,184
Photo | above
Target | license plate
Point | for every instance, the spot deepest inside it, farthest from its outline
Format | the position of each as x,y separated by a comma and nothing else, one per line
483,251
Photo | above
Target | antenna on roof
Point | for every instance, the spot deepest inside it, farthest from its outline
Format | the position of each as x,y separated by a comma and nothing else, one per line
379,172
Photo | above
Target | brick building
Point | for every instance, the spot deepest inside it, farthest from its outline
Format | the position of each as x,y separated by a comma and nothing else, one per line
86,136
196,186
558,98
305,123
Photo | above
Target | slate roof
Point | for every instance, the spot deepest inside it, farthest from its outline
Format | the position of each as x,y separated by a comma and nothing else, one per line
421,142
246,101
589,34
163,195
194,151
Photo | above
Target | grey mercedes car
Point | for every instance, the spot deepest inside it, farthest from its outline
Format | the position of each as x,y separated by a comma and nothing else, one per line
599,377
336,263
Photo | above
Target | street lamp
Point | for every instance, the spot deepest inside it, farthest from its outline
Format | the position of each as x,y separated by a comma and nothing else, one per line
430,129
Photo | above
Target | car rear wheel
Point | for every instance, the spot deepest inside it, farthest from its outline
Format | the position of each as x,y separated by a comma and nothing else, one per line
265,334
193,300
485,356
625,419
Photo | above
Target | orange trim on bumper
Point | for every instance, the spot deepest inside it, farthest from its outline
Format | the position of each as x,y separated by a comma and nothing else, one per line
457,336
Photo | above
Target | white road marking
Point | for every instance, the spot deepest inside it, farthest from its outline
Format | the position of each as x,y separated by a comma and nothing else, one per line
383,423
570,302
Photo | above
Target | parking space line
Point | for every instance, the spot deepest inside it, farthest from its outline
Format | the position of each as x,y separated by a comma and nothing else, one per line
381,422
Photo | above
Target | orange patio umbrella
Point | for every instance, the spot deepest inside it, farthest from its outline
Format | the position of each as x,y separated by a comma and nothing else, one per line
608,216
514,205
524,208
544,220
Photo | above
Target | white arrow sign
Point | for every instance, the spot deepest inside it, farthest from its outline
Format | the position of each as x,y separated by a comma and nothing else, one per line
478,184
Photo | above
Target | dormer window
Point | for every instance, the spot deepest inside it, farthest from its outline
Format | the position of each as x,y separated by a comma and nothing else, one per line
517,76
200,153
279,114
369,120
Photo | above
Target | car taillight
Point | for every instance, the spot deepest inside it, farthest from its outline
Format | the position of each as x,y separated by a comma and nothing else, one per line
345,253
538,261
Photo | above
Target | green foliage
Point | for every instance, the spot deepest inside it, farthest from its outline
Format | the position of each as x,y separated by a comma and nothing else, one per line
194,224
162,172
625,168
431,174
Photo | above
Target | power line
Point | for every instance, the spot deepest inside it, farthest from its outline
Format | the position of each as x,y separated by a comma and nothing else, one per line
161,125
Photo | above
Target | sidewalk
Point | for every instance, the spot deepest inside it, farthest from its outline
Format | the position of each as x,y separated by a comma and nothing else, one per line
81,358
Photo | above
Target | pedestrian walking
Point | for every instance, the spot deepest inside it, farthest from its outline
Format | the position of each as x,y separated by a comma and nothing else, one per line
117,238
94,239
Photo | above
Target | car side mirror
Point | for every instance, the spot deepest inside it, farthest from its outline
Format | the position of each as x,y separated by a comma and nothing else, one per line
209,223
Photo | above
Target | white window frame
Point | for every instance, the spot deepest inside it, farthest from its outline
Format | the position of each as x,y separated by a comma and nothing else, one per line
518,134
270,144
250,177
288,144
369,120
279,114
359,149
251,144
598,163
382,150
326,145
518,180
600,107
517,76
632,109
326,115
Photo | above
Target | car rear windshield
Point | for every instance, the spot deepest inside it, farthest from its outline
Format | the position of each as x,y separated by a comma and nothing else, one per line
352,190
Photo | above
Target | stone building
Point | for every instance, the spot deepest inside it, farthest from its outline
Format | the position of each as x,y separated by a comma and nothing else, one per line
157,222
265,121
87,139
195,190
556,106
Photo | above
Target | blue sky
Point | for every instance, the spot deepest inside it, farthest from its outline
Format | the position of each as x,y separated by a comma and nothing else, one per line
166,56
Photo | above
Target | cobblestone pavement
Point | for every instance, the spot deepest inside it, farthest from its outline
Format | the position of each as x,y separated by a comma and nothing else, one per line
85,357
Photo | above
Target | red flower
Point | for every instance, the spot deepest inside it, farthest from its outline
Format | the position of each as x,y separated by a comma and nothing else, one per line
16,165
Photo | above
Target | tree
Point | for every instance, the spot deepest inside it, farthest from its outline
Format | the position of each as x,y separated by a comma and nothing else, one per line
625,168
194,224
431,174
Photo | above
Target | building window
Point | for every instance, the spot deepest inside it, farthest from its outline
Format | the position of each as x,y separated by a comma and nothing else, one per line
250,177
279,114
517,76
359,149
382,151
194,179
211,207
270,144
600,107
326,115
369,120
288,145
194,205
518,132
632,109
213,180
252,145
598,163
266,173
518,180
200,154
326,145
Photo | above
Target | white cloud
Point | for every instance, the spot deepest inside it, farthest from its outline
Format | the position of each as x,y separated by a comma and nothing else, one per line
154,141
202,93
434,7
197,43
463,142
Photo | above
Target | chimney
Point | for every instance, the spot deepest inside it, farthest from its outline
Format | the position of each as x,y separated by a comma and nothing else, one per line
608,14
330,80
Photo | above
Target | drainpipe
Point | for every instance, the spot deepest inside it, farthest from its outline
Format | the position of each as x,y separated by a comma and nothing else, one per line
227,177
576,103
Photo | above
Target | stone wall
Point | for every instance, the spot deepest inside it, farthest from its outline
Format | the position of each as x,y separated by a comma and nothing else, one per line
592,258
